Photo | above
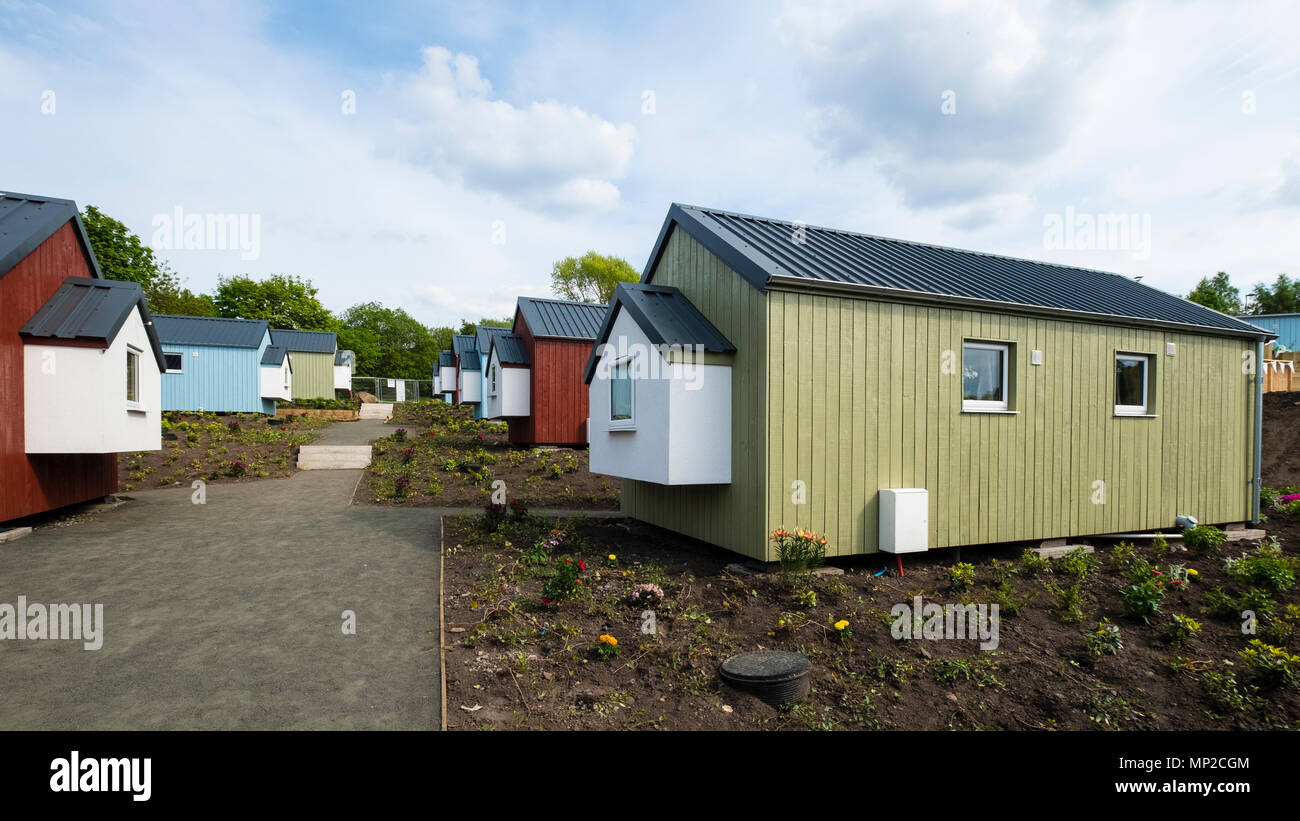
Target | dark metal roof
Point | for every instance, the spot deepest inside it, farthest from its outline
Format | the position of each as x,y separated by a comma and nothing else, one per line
209,330
561,318
510,349
463,345
26,221
446,359
483,335
345,357
93,310
665,315
305,341
764,252
274,355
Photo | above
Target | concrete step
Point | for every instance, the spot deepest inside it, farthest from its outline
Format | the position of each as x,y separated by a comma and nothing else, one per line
376,410
333,457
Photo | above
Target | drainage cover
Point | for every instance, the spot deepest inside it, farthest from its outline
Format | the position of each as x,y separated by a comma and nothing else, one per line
778,677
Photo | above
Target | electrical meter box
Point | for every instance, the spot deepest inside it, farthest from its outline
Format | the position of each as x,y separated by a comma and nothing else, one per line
904,520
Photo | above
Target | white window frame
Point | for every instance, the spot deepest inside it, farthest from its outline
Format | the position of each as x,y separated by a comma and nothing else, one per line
1135,410
630,422
138,355
984,405
493,380
170,369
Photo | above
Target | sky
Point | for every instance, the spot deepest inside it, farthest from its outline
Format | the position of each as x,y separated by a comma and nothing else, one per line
441,157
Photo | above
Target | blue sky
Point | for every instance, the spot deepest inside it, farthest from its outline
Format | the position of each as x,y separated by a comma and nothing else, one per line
491,139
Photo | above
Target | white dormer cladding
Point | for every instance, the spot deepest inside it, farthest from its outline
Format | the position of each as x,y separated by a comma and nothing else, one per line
508,390
678,430
78,399
277,381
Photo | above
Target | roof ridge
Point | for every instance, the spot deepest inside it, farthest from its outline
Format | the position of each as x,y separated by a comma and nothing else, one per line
881,238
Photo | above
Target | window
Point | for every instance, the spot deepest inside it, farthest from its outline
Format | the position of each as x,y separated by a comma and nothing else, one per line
984,369
494,380
620,395
175,362
1131,384
132,377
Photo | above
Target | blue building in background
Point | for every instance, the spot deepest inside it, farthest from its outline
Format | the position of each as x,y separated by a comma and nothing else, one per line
1286,326
215,364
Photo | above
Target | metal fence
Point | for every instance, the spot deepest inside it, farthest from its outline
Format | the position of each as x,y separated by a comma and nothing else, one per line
394,390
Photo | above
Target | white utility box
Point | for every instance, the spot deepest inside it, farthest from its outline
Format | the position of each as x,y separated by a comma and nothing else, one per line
904,520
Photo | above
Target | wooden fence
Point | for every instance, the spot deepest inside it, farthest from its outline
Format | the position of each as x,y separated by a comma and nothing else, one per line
1279,371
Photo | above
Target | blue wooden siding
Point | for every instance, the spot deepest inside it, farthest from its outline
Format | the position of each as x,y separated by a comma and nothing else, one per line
1286,326
218,379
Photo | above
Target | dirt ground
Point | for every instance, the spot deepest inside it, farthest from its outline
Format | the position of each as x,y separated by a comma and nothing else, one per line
208,446
517,661
445,458
1281,463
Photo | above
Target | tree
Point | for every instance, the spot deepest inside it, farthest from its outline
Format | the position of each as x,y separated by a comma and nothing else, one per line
591,277
1282,298
388,342
287,302
123,256
467,327
1218,294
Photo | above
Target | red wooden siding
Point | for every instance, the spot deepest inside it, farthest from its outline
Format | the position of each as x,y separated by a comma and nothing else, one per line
32,484
556,390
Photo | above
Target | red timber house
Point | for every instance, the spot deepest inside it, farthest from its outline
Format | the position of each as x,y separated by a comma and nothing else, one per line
556,336
79,361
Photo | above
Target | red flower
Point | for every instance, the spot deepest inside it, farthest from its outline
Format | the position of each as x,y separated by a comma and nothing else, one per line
582,565
545,600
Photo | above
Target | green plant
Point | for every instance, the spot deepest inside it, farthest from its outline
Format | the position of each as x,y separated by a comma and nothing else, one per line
1267,568
961,576
1160,546
1225,693
799,552
1069,600
1271,666
842,629
806,598
1033,563
1204,539
1181,628
1008,599
1105,640
1219,604
1257,601
564,582
1142,600
1002,571
1078,564
607,647
516,458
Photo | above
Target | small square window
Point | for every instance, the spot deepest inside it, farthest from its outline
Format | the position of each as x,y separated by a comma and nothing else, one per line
1131,389
175,362
620,395
984,376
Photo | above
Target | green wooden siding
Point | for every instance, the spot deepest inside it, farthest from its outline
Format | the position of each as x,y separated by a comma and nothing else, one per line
859,401
313,375
731,516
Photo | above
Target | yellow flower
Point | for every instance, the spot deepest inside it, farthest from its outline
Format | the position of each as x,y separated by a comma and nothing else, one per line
1192,572
610,640
612,557
841,624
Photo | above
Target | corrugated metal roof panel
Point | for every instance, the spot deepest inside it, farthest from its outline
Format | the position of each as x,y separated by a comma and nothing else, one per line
273,355
26,221
93,310
483,335
665,315
305,341
462,343
760,249
510,349
446,359
209,330
560,318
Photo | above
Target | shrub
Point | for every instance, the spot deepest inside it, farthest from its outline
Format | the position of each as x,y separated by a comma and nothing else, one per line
1142,600
1267,568
961,576
563,583
1077,564
1257,601
1008,599
237,468
806,598
1271,667
1181,628
493,517
799,552
1069,601
1219,604
647,595
1033,563
1224,691
1105,640
1204,539
519,511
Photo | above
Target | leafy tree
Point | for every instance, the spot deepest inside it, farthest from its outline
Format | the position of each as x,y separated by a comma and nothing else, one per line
388,342
467,327
591,277
1218,294
123,256
1283,297
287,302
